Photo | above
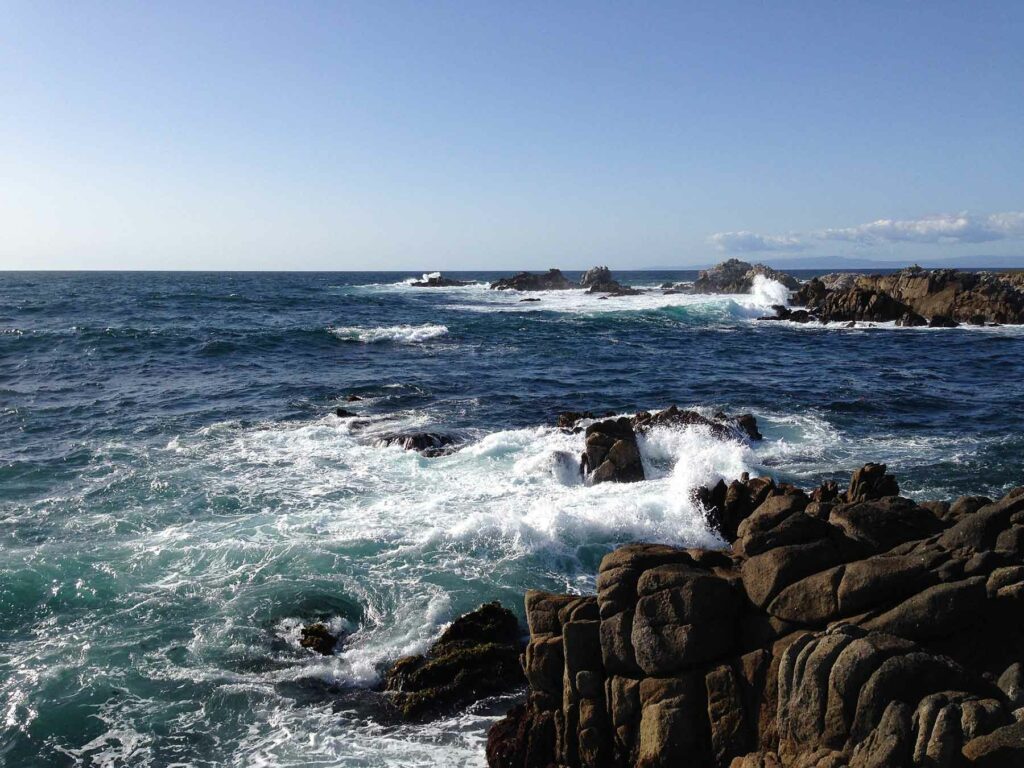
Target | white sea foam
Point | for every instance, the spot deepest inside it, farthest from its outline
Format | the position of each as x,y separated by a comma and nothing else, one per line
401,334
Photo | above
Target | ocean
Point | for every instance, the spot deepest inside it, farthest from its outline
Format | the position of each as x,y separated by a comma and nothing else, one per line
177,495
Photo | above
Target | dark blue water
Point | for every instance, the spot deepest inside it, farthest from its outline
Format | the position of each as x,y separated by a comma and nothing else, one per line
176,496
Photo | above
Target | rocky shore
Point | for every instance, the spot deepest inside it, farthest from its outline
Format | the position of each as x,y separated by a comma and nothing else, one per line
914,296
842,628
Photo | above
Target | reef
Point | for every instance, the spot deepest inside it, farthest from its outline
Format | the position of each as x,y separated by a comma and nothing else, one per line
843,627
552,280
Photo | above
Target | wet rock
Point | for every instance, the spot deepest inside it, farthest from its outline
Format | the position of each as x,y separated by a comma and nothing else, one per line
439,281
941,321
596,276
477,656
426,443
353,398
319,638
552,280
835,633
343,413
529,298
735,276
611,453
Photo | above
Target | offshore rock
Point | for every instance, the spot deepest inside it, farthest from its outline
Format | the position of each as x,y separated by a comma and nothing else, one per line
735,276
429,444
552,280
596,276
319,638
439,281
477,656
845,629
611,453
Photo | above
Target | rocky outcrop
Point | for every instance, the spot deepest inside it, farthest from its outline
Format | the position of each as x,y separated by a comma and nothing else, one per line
735,276
552,280
595,276
845,628
477,656
612,453
914,296
318,637
438,280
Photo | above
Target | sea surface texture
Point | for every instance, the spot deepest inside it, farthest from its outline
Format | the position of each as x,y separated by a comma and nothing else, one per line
177,495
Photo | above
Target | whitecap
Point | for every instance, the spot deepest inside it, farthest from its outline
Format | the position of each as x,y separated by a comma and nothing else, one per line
399,334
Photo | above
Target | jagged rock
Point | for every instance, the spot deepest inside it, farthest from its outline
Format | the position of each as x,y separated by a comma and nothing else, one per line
343,413
552,280
871,482
478,655
735,276
596,276
836,633
944,296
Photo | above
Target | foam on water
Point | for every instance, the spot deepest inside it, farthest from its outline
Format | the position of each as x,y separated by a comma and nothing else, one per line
402,334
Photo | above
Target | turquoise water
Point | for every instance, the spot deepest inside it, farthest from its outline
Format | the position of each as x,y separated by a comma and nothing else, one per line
177,496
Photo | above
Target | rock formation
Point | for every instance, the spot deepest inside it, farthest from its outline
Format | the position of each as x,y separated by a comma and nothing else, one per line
612,453
477,656
916,296
552,280
439,281
850,628
600,280
595,276
427,443
735,276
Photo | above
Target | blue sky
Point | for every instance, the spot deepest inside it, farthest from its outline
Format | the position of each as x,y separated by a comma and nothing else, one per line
492,135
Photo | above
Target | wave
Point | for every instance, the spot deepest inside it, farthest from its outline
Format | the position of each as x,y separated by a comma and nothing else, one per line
400,334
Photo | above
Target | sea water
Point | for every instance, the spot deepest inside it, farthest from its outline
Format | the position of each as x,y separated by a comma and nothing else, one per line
177,496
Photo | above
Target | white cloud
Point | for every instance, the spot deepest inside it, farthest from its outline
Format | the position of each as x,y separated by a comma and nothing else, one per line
941,228
737,242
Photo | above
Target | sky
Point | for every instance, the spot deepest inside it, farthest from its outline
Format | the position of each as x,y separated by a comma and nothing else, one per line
491,135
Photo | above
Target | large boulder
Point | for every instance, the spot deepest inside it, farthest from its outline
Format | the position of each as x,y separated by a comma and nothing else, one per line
477,656
596,276
437,280
611,453
552,280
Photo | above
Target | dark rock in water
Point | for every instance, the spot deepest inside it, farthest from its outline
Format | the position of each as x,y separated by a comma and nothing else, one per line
858,632
530,299
613,288
427,443
721,426
342,413
735,276
552,280
318,637
748,424
785,313
913,294
477,656
611,453
941,321
569,419
439,281
353,398
911,320
596,276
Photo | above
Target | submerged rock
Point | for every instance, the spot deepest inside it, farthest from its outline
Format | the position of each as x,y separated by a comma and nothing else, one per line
844,630
319,638
477,656
552,280
427,443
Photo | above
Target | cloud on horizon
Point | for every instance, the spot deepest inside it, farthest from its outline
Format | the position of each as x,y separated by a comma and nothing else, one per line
941,228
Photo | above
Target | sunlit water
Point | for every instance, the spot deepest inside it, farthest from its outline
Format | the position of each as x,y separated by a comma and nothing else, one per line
177,496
